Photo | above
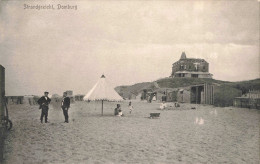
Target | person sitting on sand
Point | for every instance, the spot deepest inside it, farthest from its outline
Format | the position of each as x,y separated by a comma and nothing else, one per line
120,113
130,106
163,106
117,109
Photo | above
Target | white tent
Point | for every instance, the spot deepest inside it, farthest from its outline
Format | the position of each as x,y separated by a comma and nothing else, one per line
102,91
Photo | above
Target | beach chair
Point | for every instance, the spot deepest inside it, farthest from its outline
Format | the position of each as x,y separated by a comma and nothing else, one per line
154,115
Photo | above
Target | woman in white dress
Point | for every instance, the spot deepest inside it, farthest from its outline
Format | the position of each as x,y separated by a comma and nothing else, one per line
163,106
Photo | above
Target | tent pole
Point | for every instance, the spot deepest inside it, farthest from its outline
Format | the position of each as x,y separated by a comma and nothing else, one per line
102,107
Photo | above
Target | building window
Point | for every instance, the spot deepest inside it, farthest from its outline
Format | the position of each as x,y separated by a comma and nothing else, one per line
181,67
195,75
196,66
185,67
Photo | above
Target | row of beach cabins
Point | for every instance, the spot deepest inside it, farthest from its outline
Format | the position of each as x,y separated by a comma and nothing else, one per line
249,100
196,94
211,94
32,99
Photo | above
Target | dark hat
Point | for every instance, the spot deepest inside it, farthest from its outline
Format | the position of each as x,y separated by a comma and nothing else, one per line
46,92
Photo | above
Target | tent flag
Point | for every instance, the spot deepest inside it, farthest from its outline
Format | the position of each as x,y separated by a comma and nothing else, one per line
102,91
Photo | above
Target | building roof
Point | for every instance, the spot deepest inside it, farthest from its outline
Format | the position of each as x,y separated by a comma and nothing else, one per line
193,60
183,55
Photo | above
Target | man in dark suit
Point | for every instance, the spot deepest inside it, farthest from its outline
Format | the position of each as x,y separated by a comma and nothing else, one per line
44,102
65,105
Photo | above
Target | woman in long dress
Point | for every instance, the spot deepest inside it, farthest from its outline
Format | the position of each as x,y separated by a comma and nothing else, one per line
130,106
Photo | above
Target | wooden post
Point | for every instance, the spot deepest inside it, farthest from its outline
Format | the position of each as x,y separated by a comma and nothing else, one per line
209,94
213,90
197,94
206,93
102,107
2,111
166,94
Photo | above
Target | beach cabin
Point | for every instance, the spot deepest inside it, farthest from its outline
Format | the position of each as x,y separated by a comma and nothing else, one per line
202,94
171,96
183,95
160,95
138,97
145,94
78,97
14,99
56,101
249,100
70,95
132,96
30,99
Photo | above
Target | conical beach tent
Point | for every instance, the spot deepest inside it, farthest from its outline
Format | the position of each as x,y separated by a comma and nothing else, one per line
102,91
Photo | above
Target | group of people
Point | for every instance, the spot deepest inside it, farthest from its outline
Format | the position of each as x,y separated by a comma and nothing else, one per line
44,102
118,111
164,105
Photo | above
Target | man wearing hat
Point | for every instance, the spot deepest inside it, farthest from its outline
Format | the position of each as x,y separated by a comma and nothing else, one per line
44,102
65,105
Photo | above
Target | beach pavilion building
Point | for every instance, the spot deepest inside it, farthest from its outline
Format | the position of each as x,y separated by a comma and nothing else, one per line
191,67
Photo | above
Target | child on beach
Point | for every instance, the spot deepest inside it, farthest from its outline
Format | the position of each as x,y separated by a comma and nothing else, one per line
130,107
120,113
163,106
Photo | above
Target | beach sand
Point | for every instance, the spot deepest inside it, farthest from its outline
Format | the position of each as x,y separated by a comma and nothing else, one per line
181,135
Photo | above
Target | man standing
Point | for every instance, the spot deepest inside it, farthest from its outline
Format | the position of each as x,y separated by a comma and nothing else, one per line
65,104
44,102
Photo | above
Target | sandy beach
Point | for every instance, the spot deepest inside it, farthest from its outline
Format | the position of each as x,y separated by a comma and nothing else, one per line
181,135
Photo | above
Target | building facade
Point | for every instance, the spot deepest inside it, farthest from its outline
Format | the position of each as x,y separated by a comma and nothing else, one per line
190,67
249,100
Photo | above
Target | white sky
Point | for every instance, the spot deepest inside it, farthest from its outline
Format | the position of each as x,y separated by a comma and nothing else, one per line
128,41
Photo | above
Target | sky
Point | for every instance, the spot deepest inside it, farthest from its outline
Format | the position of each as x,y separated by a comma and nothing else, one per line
128,41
